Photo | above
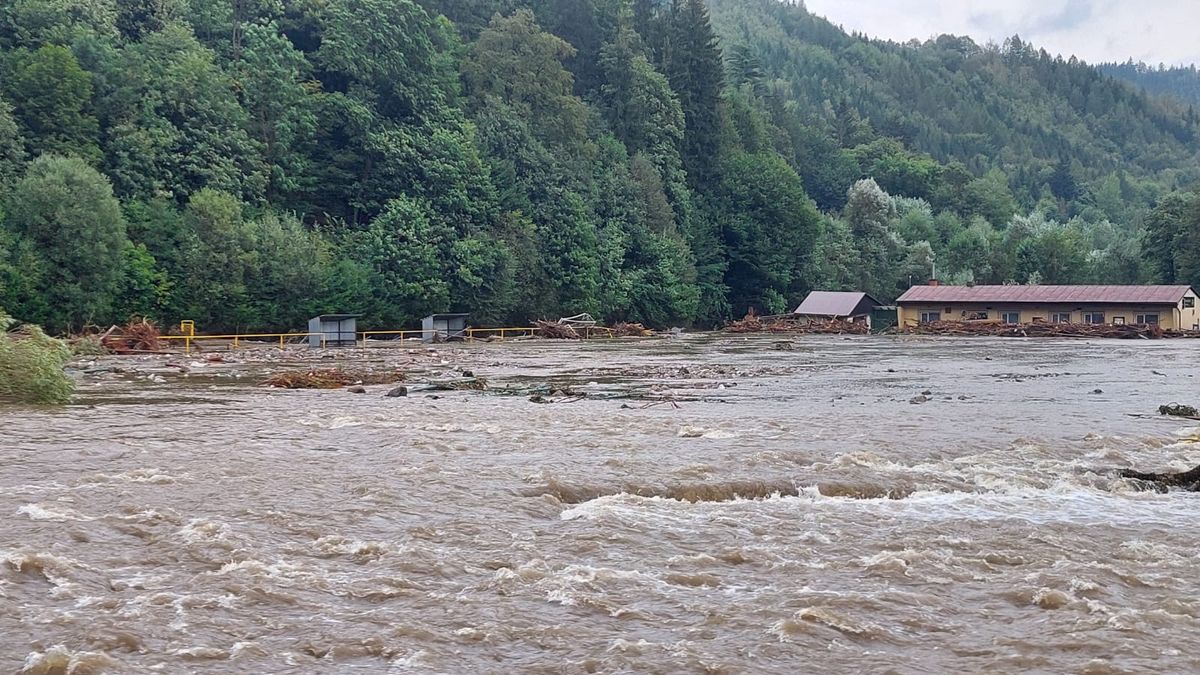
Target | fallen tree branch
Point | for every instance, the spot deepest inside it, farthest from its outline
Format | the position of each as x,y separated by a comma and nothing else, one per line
1189,480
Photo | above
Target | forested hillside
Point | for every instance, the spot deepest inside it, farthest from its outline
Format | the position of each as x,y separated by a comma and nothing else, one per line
1181,83
249,163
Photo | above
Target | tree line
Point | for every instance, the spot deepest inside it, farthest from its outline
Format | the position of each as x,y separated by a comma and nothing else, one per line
1179,82
250,163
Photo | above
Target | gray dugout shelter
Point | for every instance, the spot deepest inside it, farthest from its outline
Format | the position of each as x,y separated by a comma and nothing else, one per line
444,327
336,330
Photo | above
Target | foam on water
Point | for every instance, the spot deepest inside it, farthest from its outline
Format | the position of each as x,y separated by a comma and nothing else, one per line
60,660
52,512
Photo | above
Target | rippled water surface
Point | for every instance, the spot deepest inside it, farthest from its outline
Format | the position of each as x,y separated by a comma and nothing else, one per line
792,510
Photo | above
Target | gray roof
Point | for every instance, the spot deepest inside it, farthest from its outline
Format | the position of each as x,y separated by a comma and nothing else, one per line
835,303
1132,295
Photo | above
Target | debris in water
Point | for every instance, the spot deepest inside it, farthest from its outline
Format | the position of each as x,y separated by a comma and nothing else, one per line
791,323
1177,410
331,378
575,328
468,384
921,398
1188,480
665,401
139,335
397,392
622,329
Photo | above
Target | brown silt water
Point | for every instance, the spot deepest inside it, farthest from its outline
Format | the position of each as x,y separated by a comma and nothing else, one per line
783,506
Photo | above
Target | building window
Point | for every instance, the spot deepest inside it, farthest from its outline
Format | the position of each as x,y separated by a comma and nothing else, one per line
1189,302
1118,321
1147,319
1095,318
1011,317
930,317
1060,317
976,316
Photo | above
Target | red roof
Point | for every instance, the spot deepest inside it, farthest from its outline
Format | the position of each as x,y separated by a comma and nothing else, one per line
1132,295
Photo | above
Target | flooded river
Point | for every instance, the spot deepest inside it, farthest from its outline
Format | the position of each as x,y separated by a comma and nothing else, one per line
791,510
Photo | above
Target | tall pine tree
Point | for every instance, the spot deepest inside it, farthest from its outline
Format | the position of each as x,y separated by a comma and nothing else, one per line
693,63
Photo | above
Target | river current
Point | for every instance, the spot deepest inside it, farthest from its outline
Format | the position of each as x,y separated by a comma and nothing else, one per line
714,504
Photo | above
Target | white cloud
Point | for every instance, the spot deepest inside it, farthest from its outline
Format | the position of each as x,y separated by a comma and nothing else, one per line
1094,30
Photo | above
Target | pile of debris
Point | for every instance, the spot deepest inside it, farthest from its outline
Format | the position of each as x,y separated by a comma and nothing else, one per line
1179,410
552,330
139,336
1041,329
331,378
795,324
622,329
583,326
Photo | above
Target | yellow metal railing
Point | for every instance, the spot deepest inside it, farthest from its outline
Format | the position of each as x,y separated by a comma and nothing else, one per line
499,333
587,332
188,339
188,330
399,334
469,334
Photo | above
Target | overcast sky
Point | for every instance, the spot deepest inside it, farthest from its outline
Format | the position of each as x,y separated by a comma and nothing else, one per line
1094,30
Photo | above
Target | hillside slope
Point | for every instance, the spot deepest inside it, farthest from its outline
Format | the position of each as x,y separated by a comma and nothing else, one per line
250,165
1012,107
1180,83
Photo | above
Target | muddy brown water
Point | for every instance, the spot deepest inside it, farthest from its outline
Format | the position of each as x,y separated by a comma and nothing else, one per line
796,512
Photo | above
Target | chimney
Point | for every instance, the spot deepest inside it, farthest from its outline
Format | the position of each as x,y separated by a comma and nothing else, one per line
934,282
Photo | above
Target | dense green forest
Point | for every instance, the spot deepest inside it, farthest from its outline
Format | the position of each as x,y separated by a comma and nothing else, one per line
1179,82
250,163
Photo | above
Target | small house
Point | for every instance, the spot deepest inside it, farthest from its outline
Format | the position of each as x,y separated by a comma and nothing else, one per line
333,330
443,327
846,306
1170,307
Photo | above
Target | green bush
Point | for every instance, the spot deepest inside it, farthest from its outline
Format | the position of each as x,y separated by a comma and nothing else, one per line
31,365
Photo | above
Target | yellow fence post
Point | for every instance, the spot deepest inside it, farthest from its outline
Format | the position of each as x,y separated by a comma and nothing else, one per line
187,327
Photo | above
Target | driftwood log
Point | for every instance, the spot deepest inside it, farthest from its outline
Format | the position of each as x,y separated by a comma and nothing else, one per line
1188,480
